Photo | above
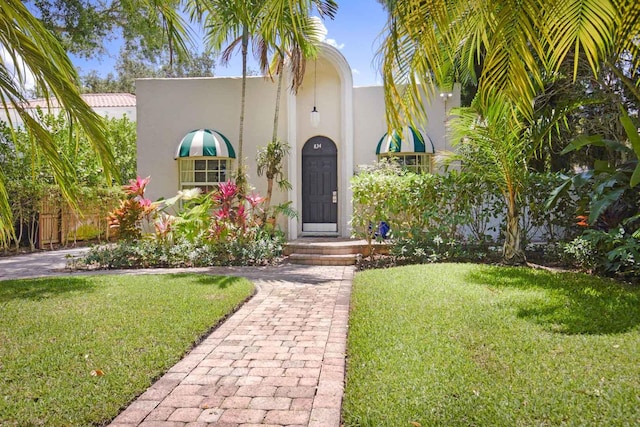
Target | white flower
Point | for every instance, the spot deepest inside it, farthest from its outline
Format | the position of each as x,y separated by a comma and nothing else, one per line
189,194
437,240
419,252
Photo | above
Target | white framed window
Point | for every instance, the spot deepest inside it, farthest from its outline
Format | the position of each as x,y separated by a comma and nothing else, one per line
415,162
204,173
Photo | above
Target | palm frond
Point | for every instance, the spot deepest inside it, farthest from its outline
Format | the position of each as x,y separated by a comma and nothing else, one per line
579,26
35,50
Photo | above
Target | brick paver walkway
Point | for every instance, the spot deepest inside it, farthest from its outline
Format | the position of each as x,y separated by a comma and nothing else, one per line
278,361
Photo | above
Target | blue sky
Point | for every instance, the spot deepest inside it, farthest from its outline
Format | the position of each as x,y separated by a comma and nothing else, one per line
355,31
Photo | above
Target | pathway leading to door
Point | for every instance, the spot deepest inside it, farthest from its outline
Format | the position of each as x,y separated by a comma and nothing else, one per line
278,361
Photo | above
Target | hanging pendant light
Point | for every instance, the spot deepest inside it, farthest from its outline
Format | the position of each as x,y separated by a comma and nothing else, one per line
315,114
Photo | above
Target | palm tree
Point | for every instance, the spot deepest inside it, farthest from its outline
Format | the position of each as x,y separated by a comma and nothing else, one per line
520,43
493,146
291,48
237,23
30,48
234,23
293,41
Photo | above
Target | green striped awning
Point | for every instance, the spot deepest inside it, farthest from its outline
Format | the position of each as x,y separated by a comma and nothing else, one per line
410,141
205,142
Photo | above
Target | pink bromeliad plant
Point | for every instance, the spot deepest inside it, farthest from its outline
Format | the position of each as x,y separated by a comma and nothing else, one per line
127,218
233,219
224,215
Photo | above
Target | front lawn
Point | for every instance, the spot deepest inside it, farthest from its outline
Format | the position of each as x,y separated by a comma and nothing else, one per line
477,345
76,350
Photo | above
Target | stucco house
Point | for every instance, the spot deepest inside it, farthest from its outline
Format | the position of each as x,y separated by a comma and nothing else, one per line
188,132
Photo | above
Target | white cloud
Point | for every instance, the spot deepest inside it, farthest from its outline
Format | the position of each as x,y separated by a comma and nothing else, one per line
334,43
24,78
322,34
355,71
320,28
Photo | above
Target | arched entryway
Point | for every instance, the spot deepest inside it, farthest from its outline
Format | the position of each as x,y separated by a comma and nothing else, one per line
320,185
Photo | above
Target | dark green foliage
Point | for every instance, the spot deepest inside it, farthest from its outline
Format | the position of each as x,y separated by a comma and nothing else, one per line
452,217
263,250
21,159
30,178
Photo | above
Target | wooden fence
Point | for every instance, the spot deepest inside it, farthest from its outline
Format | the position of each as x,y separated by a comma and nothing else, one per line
59,225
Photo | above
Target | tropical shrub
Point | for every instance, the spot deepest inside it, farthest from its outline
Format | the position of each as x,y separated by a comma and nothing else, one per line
407,202
607,206
611,252
127,219
548,223
30,179
189,230
454,216
264,249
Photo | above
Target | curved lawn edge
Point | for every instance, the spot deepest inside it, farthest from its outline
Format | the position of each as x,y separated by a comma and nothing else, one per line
195,344
83,347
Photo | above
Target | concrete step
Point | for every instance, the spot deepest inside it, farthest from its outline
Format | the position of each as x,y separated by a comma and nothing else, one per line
320,259
324,249
334,247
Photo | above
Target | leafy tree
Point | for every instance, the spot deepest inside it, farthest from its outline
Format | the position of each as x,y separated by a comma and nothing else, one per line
132,66
519,44
33,49
84,26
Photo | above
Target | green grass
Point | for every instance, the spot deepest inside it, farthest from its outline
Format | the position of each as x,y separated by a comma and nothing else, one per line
476,345
54,332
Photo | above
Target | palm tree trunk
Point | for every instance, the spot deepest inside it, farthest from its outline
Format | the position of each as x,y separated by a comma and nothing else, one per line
241,179
512,252
274,137
276,114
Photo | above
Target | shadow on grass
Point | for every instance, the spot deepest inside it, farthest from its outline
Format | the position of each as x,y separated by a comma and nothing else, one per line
222,282
39,289
567,303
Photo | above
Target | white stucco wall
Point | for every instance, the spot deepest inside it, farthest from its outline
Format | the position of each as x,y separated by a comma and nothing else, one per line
370,120
170,108
353,118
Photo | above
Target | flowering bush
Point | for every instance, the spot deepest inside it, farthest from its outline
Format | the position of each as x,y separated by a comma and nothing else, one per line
191,229
127,218
613,252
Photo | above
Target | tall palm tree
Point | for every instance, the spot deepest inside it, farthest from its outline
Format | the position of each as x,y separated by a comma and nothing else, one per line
237,23
233,23
294,41
520,43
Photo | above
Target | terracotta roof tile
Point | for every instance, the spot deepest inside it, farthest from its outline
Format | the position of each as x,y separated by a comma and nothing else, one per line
94,100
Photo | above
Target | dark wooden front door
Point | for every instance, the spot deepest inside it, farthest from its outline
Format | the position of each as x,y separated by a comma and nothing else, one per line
319,185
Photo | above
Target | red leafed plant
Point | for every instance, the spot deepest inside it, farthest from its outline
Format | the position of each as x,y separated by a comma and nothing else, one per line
232,220
127,218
